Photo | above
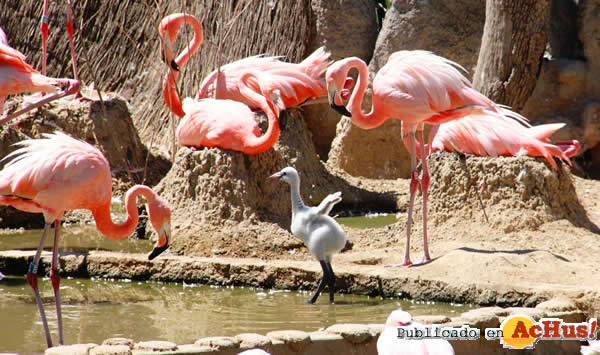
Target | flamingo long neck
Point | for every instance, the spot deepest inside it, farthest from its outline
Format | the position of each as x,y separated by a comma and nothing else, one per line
169,86
297,203
374,118
253,144
114,231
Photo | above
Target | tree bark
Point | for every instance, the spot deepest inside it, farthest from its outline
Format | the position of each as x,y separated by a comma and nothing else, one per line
514,38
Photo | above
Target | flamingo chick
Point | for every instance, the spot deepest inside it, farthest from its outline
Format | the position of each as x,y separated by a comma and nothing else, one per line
59,173
321,234
389,343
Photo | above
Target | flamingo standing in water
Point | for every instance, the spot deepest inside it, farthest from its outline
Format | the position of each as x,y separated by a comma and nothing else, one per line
389,343
16,76
419,87
296,82
59,173
321,234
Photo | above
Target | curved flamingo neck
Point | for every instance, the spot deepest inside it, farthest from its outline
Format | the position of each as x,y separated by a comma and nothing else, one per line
253,144
365,121
114,231
170,26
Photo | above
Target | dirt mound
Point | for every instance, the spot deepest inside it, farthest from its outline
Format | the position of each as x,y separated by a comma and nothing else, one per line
224,199
507,193
105,124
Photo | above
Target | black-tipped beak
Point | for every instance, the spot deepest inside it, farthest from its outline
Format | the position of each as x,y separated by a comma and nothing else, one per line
174,65
341,109
275,176
157,251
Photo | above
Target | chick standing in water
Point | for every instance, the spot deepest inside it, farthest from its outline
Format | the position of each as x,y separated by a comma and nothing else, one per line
321,234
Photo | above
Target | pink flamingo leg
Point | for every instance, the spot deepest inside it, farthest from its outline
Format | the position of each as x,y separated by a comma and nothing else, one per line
414,183
70,31
55,278
32,280
424,190
44,30
71,86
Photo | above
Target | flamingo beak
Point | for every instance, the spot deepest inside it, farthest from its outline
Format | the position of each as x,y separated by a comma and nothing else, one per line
333,94
163,242
275,176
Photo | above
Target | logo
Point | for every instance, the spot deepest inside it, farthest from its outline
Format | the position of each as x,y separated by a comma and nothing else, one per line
520,331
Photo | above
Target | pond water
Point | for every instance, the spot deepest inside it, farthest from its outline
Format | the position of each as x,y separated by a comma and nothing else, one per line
94,310
371,220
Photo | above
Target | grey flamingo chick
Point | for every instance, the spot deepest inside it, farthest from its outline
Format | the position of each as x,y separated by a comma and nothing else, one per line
321,234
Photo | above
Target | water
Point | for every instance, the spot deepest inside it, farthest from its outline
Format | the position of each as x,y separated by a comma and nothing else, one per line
94,310
72,239
375,220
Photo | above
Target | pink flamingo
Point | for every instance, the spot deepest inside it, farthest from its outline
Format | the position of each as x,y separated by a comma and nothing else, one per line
16,76
418,88
492,136
229,124
59,173
389,343
296,82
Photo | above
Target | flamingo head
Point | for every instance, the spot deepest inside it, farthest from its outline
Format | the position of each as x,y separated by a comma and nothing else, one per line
398,318
159,215
337,86
288,175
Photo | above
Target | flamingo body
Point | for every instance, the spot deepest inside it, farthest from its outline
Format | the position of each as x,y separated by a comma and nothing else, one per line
389,343
59,173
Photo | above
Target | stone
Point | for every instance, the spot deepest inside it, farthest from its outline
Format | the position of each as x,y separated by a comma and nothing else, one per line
119,341
354,333
110,350
297,340
75,349
155,345
481,318
321,336
557,304
376,329
431,319
219,343
252,340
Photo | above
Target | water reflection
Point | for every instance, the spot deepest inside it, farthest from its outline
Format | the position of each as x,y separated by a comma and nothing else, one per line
372,220
98,309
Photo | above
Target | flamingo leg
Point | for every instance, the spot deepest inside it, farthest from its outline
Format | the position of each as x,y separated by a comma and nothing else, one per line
44,30
322,283
331,283
32,280
424,191
55,278
414,183
70,31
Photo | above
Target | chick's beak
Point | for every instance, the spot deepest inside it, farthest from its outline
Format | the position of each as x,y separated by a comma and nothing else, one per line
275,176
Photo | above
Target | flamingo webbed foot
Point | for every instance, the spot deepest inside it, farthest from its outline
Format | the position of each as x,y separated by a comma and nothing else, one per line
406,262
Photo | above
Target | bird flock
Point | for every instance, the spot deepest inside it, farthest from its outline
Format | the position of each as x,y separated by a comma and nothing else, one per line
58,173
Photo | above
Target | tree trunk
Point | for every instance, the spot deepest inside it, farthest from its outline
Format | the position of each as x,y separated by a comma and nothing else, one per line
512,46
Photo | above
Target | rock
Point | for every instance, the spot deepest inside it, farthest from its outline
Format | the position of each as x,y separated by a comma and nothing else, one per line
563,30
295,339
119,341
481,318
517,193
589,31
111,350
354,333
346,30
376,329
436,26
219,343
75,349
431,319
321,336
561,304
155,345
252,340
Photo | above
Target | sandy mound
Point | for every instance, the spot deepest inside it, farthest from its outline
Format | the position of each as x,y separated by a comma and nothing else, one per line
223,202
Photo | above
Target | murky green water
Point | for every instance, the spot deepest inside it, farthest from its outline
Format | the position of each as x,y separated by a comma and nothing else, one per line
376,220
73,239
98,309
